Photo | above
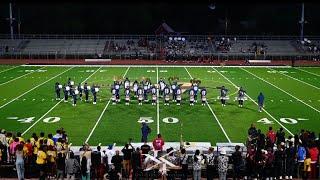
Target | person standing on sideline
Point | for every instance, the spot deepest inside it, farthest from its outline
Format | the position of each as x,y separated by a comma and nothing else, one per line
158,143
72,166
20,162
210,164
85,168
223,165
197,158
61,165
260,101
184,164
237,163
145,131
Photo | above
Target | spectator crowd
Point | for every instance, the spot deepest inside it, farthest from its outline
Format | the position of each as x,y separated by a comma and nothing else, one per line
268,155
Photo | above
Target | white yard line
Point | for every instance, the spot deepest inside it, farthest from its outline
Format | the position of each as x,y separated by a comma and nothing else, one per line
34,88
9,69
20,77
298,80
308,72
158,111
212,112
281,90
102,113
55,105
254,102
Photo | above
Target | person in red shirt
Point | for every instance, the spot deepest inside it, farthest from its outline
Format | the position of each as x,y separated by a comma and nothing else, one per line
158,143
314,153
271,135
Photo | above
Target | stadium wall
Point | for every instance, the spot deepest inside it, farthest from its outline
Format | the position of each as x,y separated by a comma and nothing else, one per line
159,62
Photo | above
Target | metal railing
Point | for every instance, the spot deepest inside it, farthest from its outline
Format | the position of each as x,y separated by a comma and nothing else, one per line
135,36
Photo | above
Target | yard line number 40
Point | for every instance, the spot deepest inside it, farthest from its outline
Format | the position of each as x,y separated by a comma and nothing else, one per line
283,120
30,119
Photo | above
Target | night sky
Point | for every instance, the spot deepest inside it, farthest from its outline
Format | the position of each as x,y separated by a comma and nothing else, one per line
144,17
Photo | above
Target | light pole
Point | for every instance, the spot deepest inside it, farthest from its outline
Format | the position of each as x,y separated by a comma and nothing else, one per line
302,21
11,20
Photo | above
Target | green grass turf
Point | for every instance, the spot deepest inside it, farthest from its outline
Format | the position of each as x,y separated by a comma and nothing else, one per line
196,123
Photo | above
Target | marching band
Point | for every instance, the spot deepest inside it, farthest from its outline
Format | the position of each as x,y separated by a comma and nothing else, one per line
169,92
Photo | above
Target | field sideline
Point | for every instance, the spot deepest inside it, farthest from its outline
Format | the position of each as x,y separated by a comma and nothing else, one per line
27,103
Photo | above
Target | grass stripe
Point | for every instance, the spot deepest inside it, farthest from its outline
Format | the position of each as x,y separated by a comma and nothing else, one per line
212,112
298,80
308,72
20,77
254,102
102,113
9,69
34,88
281,90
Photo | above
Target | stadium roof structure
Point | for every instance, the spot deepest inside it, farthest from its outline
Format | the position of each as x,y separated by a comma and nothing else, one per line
164,28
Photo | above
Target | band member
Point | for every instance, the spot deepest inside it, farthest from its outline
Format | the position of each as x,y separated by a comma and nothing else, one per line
86,90
195,89
203,96
174,91
113,98
140,95
127,95
126,84
145,91
57,88
94,91
223,95
241,94
66,90
80,89
69,82
191,96
178,93
166,93
117,88
74,93
260,101
162,85
154,95
135,88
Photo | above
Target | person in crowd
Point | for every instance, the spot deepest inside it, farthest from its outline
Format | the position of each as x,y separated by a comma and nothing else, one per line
20,161
4,143
183,157
307,166
127,153
197,158
237,163
61,166
85,168
51,160
314,155
280,136
158,143
117,161
42,161
96,162
259,163
110,153
279,162
136,163
290,155
72,167
268,169
223,164
210,159
145,148
271,135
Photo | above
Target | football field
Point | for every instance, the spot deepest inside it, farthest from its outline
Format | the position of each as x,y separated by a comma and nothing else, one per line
28,104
